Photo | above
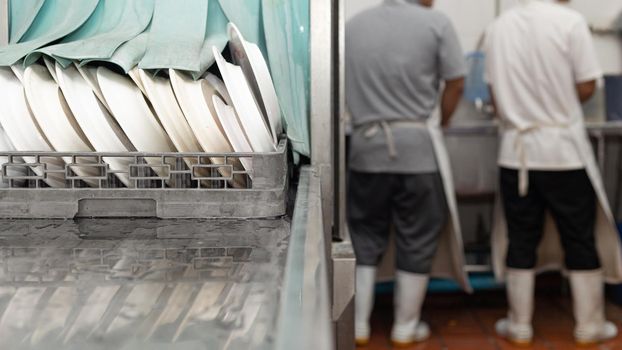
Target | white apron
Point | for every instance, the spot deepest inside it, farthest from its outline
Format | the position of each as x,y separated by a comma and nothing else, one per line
449,261
550,252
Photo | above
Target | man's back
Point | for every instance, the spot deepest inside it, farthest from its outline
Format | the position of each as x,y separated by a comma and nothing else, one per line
396,54
541,50
536,55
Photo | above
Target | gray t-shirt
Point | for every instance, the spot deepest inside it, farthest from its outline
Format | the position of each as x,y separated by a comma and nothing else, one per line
397,54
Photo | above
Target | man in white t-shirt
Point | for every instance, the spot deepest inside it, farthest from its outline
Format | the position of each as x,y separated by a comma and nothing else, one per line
541,66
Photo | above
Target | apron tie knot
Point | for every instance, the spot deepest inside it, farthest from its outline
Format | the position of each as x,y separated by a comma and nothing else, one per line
388,133
519,145
387,129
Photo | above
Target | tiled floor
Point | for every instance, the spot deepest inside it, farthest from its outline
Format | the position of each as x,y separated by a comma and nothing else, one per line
462,322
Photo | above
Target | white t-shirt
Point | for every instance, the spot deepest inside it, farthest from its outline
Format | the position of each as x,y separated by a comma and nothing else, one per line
536,54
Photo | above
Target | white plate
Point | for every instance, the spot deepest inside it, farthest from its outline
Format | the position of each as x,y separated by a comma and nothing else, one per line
249,57
162,97
18,69
90,76
53,115
160,93
220,87
254,124
195,100
98,125
49,63
229,121
132,112
135,76
21,127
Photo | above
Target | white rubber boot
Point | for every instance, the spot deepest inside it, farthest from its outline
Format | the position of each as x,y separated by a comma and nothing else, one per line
410,291
517,328
589,308
364,303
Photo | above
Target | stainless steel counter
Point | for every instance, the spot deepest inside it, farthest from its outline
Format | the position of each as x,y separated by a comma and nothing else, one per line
473,148
161,284
141,284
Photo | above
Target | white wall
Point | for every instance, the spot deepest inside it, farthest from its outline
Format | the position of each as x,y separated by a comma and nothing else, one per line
472,16
601,13
470,20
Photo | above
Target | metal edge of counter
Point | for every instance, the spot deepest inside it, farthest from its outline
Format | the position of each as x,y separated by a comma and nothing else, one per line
304,320
493,128
4,22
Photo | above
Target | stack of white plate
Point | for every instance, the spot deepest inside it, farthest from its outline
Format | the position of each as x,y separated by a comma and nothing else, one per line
95,109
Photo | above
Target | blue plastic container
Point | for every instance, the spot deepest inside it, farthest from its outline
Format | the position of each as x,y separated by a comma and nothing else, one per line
476,88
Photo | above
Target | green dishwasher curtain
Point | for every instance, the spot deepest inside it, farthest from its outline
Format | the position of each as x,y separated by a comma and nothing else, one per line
56,19
287,25
215,35
177,35
128,55
23,13
165,34
113,23
246,15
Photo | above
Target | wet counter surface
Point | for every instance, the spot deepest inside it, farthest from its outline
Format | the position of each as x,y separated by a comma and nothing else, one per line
140,284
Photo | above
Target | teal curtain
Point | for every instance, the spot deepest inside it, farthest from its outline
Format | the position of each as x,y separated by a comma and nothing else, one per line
247,16
113,23
22,14
127,55
177,35
215,35
287,24
55,20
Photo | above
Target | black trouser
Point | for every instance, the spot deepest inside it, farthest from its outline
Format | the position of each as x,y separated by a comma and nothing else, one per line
414,204
570,197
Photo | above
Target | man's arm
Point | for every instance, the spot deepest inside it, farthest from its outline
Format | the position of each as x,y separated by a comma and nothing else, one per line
493,102
452,69
452,94
585,64
586,90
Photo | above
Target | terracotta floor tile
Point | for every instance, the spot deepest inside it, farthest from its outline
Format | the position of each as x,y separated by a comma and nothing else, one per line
570,345
429,345
537,345
552,336
469,344
460,322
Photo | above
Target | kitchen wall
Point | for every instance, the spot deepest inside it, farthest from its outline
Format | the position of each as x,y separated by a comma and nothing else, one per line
472,16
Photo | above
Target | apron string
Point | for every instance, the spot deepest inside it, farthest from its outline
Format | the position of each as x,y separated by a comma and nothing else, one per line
388,133
519,145
523,171
386,127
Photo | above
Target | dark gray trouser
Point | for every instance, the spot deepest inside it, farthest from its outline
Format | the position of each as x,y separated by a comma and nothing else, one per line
570,197
414,204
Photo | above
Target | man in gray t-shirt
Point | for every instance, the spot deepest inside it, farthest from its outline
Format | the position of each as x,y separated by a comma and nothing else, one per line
398,54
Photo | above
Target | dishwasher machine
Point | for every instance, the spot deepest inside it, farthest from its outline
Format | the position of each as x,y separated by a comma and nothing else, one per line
190,251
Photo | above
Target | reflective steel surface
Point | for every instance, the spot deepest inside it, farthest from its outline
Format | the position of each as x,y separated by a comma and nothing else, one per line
140,284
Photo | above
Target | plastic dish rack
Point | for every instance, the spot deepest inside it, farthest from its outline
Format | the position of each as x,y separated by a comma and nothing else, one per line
162,185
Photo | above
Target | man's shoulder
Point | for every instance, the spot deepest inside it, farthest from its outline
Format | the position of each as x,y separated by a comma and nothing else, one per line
431,14
416,12
558,13
361,17
563,13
